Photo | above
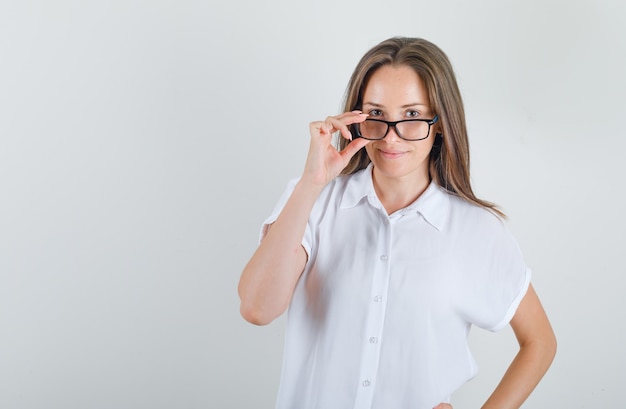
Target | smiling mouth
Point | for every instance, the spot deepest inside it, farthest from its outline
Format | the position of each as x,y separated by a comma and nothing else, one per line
391,154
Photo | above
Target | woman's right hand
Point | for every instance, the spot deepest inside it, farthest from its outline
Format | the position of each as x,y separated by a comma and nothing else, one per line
324,162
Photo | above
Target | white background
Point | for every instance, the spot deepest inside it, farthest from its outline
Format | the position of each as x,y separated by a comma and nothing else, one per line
142,143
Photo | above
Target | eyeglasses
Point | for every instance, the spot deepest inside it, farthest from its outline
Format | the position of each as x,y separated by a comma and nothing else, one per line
407,129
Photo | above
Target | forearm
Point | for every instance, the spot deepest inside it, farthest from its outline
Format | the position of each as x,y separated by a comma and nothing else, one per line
522,376
537,350
269,278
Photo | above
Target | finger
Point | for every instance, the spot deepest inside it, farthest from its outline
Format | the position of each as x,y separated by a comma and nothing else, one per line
333,124
352,148
315,126
327,127
356,112
340,123
352,117
346,118
320,128
337,123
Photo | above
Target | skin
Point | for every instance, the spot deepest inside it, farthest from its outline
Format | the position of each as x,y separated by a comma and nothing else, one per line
400,176
400,167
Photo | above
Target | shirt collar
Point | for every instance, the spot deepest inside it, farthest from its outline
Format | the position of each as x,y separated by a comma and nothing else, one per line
433,205
359,185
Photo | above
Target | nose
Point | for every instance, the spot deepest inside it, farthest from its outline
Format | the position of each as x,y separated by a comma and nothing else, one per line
392,134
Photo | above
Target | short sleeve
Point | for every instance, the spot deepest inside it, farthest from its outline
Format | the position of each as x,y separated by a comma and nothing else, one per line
510,312
306,240
499,279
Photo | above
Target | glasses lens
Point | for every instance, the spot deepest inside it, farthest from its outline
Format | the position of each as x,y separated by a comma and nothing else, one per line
413,130
373,129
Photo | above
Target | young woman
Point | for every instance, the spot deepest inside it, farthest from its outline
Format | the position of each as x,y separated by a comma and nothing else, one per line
386,258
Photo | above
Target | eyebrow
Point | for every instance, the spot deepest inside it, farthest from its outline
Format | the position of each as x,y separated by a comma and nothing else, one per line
374,104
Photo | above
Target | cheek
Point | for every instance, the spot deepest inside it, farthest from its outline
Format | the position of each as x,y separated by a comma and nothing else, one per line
430,142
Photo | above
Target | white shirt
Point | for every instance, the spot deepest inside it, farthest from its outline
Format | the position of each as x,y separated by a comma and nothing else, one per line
380,316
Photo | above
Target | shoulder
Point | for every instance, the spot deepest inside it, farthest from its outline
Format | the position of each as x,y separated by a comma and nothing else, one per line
336,191
472,219
346,190
482,239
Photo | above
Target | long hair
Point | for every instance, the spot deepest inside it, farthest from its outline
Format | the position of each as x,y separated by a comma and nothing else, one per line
449,159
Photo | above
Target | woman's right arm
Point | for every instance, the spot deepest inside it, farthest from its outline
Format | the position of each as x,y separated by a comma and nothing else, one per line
271,274
268,280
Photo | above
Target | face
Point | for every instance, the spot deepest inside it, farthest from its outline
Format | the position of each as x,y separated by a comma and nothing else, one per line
394,93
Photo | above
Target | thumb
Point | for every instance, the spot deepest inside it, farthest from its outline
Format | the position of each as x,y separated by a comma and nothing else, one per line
352,148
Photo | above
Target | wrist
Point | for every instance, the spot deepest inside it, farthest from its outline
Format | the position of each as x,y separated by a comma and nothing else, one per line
309,189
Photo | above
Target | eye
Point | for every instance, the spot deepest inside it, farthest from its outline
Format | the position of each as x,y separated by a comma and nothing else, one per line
412,114
375,113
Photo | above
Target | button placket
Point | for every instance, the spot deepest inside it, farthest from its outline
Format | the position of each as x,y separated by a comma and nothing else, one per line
371,349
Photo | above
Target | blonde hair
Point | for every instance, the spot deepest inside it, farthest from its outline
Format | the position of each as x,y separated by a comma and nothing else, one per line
449,160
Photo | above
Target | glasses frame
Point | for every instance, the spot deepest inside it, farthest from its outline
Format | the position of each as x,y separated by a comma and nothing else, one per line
392,124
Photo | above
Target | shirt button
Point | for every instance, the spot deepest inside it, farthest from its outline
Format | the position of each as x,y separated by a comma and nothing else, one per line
384,257
378,298
366,383
373,340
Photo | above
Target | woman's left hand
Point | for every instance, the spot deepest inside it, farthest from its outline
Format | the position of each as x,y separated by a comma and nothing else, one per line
443,406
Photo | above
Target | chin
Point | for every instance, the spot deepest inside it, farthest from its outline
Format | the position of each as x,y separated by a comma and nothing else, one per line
391,169
400,168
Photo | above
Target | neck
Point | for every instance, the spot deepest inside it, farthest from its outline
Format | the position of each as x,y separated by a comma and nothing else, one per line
398,193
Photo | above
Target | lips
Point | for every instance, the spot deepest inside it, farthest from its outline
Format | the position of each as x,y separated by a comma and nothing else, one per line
391,154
